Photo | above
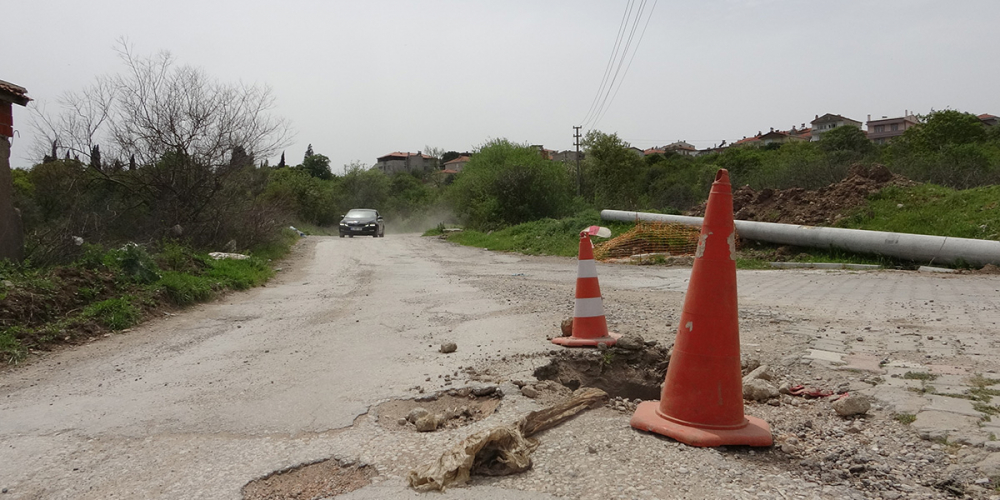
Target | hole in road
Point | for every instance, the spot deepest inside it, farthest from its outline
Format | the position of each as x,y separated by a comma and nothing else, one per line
445,410
631,373
323,479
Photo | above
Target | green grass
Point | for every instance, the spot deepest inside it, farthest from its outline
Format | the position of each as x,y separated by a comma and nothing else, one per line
278,248
240,274
11,349
116,314
185,289
905,418
934,210
114,288
541,237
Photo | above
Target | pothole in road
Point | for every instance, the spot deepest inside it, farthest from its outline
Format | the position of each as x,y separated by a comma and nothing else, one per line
444,410
323,479
630,370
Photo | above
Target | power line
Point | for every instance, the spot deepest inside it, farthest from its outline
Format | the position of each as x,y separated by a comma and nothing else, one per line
618,55
604,93
641,35
621,61
611,59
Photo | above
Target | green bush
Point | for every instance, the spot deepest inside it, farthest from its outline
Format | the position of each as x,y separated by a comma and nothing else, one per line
505,184
135,262
116,314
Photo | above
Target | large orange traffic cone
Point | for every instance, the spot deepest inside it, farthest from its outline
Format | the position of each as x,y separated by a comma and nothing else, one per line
590,327
702,399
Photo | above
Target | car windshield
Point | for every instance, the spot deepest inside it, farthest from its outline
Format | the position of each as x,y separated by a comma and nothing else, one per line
361,214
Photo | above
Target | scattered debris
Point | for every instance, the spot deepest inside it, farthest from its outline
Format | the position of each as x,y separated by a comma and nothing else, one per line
502,450
431,412
226,255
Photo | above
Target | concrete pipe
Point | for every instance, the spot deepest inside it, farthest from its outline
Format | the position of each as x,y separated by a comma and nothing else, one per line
915,247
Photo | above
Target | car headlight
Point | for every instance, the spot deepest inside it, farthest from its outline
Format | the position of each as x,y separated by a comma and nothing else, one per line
372,224
343,223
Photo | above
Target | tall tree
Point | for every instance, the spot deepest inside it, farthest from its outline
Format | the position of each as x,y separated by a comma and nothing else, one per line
613,168
281,162
309,152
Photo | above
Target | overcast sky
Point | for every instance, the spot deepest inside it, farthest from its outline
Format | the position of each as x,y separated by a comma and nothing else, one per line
360,79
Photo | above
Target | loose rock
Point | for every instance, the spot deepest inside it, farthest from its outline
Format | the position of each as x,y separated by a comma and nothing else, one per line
427,423
567,327
759,390
853,404
448,347
416,414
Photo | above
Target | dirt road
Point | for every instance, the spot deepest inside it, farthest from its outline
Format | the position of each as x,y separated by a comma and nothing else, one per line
198,404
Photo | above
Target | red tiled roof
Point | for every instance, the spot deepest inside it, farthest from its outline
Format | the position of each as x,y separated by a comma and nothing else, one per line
986,116
460,159
653,151
14,93
747,140
446,171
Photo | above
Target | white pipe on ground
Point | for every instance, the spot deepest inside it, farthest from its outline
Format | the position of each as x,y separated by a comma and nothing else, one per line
915,247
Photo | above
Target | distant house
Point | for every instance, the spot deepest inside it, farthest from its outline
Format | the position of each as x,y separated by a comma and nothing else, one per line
828,122
456,165
885,129
682,148
679,147
989,120
748,141
11,236
405,162
640,153
568,156
783,136
546,154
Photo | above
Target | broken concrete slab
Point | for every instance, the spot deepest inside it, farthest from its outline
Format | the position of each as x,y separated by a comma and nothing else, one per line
863,362
958,406
828,356
932,424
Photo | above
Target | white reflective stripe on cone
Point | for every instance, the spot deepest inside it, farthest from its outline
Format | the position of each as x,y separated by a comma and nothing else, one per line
588,308
587,269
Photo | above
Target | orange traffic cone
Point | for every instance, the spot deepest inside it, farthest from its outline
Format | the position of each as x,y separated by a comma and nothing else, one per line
590,327
702,399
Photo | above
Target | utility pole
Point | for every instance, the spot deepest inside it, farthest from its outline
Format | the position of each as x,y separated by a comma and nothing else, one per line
579,177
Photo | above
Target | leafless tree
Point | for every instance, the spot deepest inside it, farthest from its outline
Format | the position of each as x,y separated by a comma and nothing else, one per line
182,134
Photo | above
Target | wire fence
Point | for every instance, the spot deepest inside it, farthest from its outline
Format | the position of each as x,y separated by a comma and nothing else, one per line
650,241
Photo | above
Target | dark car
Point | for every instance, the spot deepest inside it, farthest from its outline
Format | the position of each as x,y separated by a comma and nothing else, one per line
362,221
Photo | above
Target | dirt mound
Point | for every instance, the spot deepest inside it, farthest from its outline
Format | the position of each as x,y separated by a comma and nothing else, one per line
822,207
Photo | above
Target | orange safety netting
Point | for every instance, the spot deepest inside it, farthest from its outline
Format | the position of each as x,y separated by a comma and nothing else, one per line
651,238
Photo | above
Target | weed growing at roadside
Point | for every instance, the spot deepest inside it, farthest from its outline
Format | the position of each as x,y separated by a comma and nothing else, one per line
116,314
919,376
11,349
905,418
185,289
240,274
